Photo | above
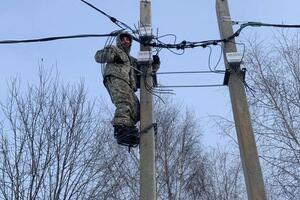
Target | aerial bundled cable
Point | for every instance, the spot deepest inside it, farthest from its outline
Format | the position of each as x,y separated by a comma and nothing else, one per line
189,86
119,23
186,44
56,38
156,42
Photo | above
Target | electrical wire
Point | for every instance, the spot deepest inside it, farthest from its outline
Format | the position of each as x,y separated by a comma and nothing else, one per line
56,38
119,23
158,45
192,72
209,60
219,59
155,42
158,39
149,87
189,86
109,41
242,79
184,44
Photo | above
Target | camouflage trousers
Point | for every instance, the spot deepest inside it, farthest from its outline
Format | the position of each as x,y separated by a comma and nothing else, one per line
123,97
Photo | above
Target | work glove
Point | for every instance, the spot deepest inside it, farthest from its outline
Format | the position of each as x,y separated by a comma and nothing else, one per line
156,60
118,60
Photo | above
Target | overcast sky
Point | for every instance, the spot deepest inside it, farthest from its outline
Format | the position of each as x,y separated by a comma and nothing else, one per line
191,20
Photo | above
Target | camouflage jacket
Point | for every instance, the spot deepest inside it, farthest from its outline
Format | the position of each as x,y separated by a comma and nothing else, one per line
124,71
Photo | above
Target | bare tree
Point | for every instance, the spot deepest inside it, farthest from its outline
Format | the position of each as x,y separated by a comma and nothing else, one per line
185,169
178,145
275,76
54,145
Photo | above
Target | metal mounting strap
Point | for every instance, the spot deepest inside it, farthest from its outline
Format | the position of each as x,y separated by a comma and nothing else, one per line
154,125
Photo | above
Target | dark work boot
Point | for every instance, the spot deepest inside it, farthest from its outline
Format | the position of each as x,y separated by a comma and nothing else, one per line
127,135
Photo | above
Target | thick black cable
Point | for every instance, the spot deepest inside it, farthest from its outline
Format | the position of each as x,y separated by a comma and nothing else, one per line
56,38
113,19
110,17
205,43
184,44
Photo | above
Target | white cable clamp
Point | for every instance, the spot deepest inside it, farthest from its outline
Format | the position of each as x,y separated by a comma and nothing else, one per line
144,56
145,30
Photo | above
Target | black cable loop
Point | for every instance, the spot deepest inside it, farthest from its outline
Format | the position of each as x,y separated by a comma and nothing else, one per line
219,59
218,62
108,42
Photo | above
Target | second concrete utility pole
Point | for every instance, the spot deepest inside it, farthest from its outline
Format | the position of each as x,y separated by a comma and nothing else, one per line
248,151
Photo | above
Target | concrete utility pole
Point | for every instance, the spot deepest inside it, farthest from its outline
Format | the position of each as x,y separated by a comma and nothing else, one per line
147,142
248,151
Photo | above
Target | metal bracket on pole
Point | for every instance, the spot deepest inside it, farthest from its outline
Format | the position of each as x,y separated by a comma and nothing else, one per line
226,76
244,70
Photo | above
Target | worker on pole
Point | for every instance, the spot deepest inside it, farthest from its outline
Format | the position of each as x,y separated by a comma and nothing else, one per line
120,80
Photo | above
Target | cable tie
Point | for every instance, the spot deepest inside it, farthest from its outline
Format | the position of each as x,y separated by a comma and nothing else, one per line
236,34
215,42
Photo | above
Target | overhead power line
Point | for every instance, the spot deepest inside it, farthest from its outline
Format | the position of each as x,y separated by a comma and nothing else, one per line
189,86
155,41
192,72
186,44
56,38
119,23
